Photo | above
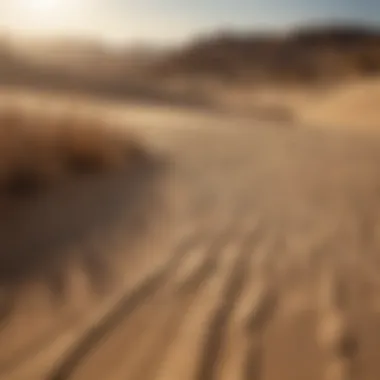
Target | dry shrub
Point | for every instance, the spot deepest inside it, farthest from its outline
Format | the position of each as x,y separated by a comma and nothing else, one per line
38,152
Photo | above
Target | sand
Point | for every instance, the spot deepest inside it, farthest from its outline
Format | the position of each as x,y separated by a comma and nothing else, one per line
256,258
351,104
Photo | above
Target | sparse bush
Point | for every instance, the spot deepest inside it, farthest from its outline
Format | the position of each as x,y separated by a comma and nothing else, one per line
38,152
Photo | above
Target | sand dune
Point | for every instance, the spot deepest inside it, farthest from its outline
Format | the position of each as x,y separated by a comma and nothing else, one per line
258,260
351,104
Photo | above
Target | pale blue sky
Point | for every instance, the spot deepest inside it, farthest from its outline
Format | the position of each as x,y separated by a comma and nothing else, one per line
173,20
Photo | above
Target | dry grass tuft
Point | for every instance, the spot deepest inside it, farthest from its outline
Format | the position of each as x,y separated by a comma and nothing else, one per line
70,189
38,152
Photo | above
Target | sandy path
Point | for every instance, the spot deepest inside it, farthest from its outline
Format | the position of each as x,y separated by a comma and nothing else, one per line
263,265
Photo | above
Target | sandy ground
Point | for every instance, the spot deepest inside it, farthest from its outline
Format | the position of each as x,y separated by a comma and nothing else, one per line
253,255
352,104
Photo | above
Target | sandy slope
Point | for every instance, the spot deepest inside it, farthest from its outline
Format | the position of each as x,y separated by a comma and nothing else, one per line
258,260
351,104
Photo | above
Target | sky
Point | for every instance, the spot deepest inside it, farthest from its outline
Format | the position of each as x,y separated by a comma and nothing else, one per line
172,20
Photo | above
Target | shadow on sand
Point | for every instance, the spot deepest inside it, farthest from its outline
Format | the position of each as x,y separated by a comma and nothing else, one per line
42,236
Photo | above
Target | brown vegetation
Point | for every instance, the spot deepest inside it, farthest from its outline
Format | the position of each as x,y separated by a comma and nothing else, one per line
38,152
69,186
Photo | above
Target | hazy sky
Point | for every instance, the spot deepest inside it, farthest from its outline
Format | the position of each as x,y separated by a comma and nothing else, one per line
172,20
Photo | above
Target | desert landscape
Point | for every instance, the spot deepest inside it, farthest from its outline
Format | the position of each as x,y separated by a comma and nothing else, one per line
196,216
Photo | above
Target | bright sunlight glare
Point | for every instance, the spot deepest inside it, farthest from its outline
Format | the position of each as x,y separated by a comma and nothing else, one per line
40,5
39,16
52,18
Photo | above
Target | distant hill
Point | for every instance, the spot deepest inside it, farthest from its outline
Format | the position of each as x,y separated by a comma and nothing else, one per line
305,54
86,68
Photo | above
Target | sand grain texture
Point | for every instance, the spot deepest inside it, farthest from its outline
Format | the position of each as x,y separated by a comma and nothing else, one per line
258,260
